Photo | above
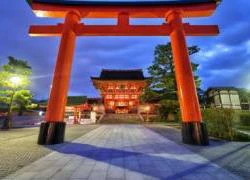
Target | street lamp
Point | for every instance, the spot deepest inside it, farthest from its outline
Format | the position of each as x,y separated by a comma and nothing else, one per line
147,110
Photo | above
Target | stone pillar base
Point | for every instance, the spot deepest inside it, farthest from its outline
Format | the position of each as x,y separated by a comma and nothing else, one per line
195,133
51,133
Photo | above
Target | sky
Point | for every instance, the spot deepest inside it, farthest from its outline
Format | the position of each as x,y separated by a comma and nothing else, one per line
224,59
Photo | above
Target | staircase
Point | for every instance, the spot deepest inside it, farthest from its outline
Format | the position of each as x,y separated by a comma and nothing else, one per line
120,119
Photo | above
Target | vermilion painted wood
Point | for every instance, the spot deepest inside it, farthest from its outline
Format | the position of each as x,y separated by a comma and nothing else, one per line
124,30
108,11
189,104
59,89
104,85
175,28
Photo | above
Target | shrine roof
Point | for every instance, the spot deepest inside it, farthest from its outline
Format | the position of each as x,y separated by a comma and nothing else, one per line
122,3
110,74
111,9
221,88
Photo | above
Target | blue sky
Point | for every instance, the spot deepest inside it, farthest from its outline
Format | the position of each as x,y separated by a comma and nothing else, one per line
224,60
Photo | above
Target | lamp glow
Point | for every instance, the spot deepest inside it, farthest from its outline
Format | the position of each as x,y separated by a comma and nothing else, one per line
15,80
147,108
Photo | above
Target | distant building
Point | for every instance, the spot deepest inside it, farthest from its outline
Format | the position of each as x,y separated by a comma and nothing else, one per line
120,89
223,97
77,109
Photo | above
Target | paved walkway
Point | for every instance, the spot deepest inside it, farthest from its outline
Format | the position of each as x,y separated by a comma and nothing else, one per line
122,152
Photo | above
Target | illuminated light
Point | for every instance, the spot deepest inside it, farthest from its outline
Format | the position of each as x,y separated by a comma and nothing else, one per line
95,108
147,108
15,80
111,103
40,14
40,113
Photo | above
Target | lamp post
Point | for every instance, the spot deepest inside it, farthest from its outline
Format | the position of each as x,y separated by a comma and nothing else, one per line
15,81
147,110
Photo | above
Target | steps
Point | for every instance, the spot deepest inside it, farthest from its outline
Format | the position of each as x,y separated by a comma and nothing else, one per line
120,119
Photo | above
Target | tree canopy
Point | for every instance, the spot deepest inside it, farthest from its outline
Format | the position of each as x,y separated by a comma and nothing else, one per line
163,85
162,72
22,70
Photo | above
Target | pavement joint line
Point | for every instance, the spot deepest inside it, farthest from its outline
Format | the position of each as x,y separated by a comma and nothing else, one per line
112,139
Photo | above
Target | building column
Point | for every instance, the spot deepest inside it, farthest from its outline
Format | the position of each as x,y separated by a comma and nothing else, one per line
52,131
193,129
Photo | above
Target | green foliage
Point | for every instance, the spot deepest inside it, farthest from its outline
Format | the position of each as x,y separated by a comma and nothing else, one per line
22,100
150,96
162,84
219,122
162,70
244,95
15,68
239,136
222,123
167,107
245,118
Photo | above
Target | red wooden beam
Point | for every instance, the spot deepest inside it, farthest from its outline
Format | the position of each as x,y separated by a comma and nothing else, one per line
201,30
46,30
129,30
108,11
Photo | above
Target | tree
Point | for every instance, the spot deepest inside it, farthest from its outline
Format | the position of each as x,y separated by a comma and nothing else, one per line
244,95
162,71
14,81
22,100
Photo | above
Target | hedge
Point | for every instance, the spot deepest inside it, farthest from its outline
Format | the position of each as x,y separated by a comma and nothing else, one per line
222,123
245,119
219,122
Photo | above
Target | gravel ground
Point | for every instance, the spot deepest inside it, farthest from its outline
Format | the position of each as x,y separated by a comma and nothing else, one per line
233,156
19,147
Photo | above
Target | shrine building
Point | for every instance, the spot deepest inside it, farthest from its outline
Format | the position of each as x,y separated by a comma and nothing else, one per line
120,89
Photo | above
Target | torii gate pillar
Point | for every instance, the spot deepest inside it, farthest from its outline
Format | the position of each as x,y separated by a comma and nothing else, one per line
193,129
52,131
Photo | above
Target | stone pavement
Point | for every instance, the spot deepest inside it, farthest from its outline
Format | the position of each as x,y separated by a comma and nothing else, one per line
122,152
231,155
19,147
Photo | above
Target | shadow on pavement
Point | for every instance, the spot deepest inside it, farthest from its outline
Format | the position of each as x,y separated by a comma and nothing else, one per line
158,166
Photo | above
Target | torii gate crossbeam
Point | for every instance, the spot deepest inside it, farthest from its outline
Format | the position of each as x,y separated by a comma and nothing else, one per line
193,129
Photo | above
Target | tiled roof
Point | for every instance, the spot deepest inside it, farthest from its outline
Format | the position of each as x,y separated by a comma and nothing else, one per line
110,74
222,88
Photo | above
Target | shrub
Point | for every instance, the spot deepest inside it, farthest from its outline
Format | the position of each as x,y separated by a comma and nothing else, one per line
167,107
245,118
239,136
220,123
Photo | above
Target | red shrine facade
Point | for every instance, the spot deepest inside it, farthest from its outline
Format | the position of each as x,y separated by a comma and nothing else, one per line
120,89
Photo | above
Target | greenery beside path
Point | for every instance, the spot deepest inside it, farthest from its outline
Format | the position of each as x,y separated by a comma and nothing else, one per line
14,88
19,146
225,124
233,156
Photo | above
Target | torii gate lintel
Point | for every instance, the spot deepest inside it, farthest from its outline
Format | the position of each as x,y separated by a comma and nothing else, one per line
193,129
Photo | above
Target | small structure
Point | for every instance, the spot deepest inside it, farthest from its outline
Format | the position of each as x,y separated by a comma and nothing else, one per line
120,89
223,97
82,110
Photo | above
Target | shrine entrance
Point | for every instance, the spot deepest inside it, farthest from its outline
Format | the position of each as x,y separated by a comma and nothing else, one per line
173,11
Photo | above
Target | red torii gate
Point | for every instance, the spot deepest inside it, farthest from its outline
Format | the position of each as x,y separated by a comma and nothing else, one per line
193,129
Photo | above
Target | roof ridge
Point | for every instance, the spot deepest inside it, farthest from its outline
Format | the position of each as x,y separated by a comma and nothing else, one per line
122,70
